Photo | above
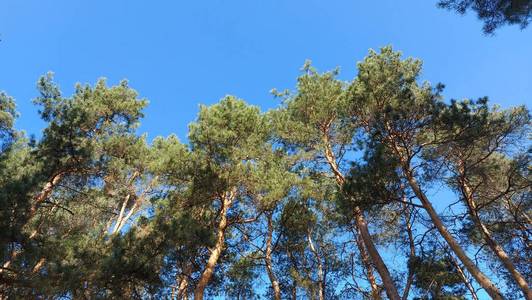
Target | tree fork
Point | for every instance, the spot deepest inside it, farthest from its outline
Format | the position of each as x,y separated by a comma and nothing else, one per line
467,193
362,226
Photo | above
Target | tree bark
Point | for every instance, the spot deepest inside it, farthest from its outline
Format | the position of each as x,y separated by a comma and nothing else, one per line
408,172
226,201
362,226
467,193
268,260
366,260
44,194
182,290
38,266
480,277
412,246
321,281
387,281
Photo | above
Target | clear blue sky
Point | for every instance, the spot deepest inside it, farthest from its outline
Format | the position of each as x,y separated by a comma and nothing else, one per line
182,53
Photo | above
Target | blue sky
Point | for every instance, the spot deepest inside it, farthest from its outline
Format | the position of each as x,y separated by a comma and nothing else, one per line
178,54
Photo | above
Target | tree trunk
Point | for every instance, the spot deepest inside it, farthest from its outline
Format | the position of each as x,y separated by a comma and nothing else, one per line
38,266
387,281
121,214
464,278
38,199
411,243
15,253
268,260
362,226
492,244
482,279
182,293
226,201
44,194
321,281
366,260
180,289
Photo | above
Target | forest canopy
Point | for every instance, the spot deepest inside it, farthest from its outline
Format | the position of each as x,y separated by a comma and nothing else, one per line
371,188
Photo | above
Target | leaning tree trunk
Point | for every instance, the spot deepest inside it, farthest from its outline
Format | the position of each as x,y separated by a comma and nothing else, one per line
321,274
412,246
480,277
362,226
467,193
182,280
41,197
206,276
268,260
366,261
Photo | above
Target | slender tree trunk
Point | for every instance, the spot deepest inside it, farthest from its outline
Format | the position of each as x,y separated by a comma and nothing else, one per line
206,276
121,214
122,219
182,290
43,195
15,253
490,241
366,260
411,243
481,278
38,266
321,281
387,281
37,200
408,172
464,278
362,226
268,260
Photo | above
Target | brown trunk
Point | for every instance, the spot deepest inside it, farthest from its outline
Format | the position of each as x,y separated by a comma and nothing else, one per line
362,226
38,266
408,172
366,261
375,292
226,201
410,278
38,199
268,260
387,281
44,194
321,279
16,253
482,279
182,292
492,244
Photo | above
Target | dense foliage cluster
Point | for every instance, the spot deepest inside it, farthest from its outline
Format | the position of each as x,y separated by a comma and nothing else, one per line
365,189
494,13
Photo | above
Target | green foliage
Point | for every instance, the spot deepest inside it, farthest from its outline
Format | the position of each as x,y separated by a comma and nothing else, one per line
94,210
8,114
386,96
437,277
494,13
372,184
240,278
